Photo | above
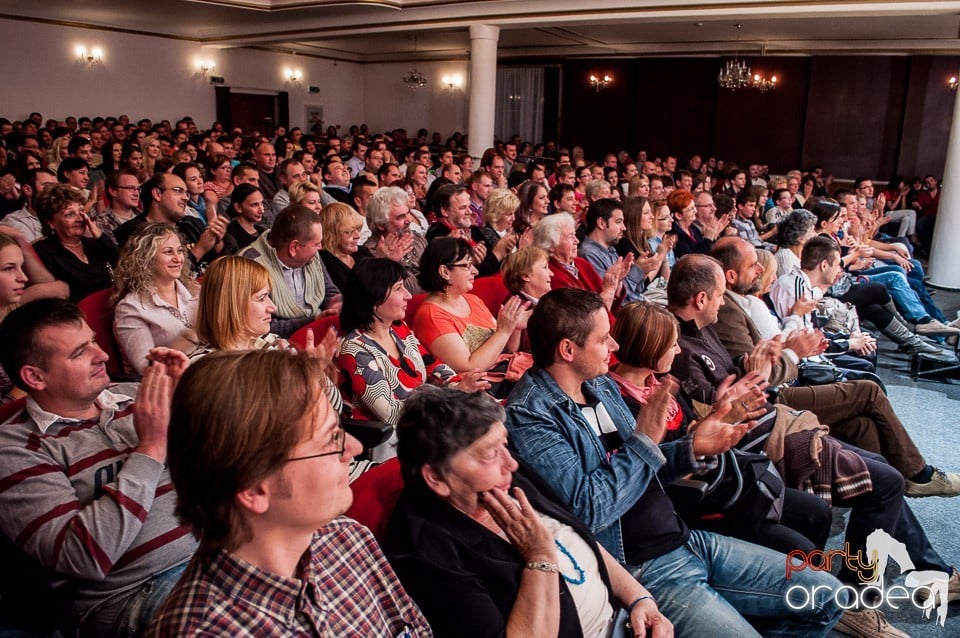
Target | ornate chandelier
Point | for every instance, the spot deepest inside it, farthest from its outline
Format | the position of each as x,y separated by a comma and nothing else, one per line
414,79
735,75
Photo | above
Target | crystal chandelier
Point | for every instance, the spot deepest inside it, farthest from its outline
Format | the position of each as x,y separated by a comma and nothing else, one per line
414,79
735,75
762,84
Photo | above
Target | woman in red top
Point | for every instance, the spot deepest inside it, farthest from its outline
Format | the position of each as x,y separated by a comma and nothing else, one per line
558,236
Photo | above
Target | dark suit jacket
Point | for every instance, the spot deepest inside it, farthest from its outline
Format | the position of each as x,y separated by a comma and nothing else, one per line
464,577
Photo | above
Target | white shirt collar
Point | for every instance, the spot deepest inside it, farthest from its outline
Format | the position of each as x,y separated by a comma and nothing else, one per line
106,400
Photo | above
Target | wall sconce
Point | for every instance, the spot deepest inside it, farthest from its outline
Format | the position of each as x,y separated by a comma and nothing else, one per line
597,83
762,84
293,75
204,67
453,81
952,82
92,57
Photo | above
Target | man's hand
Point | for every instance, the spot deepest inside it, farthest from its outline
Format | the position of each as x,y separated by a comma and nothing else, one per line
802,307
151,412
713,435
478,253
745,398
862,343
652,418
806,342
395,247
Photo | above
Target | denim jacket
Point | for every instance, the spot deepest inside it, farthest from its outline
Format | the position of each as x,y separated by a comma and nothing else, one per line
548,430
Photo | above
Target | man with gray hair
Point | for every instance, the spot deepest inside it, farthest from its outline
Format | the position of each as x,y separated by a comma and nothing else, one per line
388,216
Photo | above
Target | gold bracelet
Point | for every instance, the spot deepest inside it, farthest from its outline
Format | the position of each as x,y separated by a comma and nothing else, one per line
543,566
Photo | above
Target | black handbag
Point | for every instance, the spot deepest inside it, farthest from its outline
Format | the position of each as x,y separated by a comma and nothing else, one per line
745,489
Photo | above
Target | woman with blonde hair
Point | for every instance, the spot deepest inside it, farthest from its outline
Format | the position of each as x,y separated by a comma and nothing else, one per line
499,210
342,227
57,152
235,312
306,194
155,294
151,153
638,186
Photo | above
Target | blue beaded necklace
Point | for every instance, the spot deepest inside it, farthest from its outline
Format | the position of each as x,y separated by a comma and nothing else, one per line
581,576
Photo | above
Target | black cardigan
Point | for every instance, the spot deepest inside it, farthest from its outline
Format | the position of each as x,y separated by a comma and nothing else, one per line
464,577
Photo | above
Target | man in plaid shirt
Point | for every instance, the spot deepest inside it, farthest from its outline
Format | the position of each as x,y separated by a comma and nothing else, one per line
261,469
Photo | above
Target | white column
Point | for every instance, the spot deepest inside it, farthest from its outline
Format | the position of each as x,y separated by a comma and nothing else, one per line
483,87
944,268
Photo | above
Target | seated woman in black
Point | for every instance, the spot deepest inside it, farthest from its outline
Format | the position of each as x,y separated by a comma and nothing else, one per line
648,336
75,250
484,546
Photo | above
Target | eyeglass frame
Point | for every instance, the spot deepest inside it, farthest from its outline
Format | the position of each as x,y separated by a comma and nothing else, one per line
339,453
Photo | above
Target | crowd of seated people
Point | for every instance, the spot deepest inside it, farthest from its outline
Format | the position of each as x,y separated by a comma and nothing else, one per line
537,493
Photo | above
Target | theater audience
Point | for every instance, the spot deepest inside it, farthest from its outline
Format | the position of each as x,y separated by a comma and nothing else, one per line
486,548
647,334
156,296
557,235
246,208
456,326
301,289
566,419
382,362
263,484
74,248
102,482
342,228
23,278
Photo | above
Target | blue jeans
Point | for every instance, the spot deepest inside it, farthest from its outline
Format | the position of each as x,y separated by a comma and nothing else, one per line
144,604
915,279
904,297
708,585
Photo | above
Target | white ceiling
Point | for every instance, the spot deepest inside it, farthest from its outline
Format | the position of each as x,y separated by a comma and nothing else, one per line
395,30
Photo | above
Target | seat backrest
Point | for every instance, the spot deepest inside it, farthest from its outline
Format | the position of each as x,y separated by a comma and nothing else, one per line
319,326
492,291
99,314
375,494
413,305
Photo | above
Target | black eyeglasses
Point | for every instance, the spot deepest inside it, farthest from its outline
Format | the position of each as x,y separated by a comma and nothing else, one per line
341,435
468,266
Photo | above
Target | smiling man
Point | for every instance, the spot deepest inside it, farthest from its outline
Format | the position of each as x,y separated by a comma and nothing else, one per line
261,469
85,491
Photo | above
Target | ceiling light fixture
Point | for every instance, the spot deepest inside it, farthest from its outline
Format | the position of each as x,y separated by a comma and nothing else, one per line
414,79
735,74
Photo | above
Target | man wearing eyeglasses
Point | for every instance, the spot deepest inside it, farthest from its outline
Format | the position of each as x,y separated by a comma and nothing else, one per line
164,199
123,201
263,484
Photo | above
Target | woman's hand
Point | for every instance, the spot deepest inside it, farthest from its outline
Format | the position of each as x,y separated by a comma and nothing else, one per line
473,381
652,418
521,524
513,315
326,349
646,620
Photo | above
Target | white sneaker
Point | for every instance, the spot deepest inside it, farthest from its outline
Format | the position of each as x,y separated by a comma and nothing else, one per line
867,623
